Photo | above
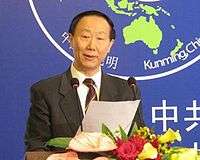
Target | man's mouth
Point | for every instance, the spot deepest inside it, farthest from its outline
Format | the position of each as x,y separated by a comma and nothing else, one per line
90,57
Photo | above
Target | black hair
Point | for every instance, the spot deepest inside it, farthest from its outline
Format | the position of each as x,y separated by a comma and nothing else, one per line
78,17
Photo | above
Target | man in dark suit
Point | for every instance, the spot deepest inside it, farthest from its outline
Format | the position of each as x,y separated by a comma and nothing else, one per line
56,108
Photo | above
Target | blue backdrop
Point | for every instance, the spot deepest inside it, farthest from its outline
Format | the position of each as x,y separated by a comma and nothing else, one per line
157,42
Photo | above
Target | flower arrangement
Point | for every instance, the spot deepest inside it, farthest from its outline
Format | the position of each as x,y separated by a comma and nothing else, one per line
140,144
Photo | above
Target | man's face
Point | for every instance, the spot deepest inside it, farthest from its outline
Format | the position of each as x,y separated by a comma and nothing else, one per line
91,43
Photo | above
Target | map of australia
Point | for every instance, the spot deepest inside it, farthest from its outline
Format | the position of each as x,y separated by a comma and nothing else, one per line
145,31
143,27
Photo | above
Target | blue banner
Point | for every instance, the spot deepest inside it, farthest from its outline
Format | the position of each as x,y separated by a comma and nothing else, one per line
158,42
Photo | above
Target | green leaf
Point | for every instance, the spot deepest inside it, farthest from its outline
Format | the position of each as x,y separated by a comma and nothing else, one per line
123,133
59,142
166,157
106,131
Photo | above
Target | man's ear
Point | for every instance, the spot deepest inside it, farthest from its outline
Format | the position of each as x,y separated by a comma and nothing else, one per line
110,45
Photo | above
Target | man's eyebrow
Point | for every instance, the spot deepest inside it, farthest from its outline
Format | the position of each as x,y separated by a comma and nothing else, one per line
87,30
102,32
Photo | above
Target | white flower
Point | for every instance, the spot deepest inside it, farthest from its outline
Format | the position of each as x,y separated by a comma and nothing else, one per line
92,142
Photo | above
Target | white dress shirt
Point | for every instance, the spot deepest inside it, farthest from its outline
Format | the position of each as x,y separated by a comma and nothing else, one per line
83,89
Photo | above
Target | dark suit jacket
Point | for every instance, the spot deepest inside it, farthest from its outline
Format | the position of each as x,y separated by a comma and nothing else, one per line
55,112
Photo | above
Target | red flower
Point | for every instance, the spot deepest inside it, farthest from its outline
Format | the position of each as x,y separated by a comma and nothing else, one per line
126,150
155,143
159,157
138,141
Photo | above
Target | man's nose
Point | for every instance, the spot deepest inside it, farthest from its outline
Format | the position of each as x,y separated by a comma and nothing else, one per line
92,44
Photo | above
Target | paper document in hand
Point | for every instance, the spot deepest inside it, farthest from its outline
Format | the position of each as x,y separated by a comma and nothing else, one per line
112,114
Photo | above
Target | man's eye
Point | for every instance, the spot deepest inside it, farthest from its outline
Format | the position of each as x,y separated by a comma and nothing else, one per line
84,36
100,38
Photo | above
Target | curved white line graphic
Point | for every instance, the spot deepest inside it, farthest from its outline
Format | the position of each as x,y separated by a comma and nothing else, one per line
164,74
148,0
47,34
153,76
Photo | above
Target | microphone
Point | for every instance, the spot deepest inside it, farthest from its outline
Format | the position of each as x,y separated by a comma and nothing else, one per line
138,117
132,84
75,84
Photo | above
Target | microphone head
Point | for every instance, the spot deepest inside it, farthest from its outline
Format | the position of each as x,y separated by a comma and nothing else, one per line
131,81
74,83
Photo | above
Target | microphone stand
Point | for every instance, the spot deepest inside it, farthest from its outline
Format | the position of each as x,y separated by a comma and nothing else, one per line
75,84
132,84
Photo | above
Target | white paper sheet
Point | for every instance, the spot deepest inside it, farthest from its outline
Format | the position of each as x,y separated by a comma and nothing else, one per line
112,114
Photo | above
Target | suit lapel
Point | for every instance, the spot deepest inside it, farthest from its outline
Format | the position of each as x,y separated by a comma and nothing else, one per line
69,103
107,91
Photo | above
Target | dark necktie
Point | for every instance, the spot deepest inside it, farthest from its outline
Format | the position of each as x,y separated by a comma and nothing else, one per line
91,92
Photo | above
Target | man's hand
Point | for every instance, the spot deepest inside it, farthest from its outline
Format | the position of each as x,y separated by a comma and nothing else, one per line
70,155
101,158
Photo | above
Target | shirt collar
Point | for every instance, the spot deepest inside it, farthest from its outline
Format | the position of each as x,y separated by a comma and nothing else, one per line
80,76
